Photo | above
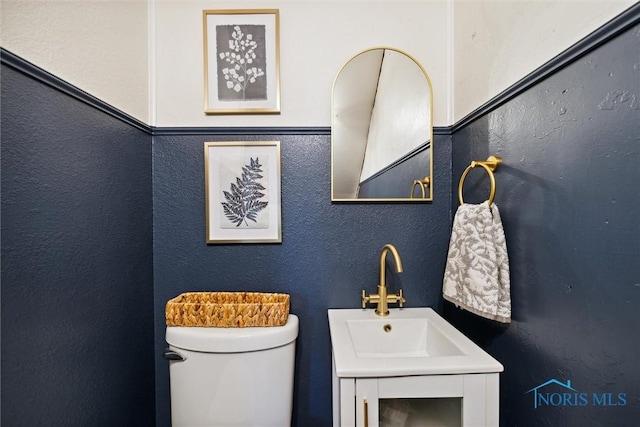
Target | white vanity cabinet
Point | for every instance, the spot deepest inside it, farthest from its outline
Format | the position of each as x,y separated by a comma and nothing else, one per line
464,400
410,368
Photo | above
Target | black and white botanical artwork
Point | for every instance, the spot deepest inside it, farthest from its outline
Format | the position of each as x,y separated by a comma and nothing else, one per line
246,202
242,61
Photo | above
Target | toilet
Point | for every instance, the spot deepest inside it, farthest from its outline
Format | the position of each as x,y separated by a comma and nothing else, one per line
232,377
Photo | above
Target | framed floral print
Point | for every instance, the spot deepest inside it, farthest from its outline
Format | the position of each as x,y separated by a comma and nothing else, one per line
241,61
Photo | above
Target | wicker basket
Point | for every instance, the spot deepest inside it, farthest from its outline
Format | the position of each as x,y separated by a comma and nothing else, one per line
227,309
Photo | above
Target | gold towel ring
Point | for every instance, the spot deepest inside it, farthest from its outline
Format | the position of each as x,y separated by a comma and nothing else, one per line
423,183
489,165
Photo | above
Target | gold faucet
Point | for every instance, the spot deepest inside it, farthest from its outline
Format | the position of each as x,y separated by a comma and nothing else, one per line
383,298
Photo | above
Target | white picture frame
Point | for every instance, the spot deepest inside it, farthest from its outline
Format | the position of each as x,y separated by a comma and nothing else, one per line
243,196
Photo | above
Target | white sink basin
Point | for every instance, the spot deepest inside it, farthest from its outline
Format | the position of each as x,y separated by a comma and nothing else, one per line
409,341
384,338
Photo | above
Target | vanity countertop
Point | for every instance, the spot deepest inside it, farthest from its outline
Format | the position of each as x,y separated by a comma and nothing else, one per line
409,341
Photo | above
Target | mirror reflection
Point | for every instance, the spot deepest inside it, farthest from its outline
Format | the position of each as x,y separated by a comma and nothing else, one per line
381,129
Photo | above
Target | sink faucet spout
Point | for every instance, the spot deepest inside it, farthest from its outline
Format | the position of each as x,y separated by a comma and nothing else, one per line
383,256
383,297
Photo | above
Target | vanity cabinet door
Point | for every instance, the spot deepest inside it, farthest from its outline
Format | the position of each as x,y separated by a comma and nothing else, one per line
469,400
409,401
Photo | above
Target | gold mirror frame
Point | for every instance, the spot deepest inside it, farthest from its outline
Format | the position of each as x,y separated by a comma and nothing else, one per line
344,108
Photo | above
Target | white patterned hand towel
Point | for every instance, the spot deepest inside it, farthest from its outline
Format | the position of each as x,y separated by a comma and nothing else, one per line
476,276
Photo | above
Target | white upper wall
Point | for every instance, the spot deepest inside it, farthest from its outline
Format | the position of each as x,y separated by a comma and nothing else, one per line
145,57
99,46
497,43
316,39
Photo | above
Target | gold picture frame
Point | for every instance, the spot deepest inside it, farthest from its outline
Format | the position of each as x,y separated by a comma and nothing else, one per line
241,61
242,189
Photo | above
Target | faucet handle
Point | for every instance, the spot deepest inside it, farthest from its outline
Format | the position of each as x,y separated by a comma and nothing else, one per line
401,299
365,299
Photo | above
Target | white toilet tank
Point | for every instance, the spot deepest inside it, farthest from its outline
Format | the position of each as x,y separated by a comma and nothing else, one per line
232,377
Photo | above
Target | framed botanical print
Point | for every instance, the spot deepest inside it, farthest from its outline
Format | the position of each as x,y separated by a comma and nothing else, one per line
242,186
241,61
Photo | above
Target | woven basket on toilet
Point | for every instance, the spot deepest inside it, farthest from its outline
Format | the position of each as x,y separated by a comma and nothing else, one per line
227,309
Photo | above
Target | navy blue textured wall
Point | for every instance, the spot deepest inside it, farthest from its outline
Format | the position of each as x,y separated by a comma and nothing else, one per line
569,197
328,254
77,284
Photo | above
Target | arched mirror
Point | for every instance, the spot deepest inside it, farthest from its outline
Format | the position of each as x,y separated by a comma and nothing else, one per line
381,129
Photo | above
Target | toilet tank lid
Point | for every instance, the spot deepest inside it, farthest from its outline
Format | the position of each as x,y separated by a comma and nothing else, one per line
232,340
